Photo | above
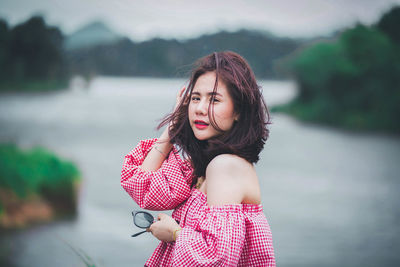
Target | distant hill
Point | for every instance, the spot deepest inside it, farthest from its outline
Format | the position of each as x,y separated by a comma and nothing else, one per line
172,58
93,34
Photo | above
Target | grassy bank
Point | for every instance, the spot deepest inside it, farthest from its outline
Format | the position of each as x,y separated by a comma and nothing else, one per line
321,112
35,185
32,85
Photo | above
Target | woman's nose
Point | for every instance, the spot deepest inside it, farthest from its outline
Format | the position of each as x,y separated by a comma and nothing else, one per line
202,107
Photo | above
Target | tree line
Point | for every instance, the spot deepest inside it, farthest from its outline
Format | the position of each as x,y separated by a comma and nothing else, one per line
173,58
31,54
354,81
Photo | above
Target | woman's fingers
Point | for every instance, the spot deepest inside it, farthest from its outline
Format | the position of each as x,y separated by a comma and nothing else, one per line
182,90
163,228
153,226
179,96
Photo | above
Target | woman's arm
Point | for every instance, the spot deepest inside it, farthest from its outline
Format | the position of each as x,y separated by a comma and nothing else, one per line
162,189
158,153
155,178
162,147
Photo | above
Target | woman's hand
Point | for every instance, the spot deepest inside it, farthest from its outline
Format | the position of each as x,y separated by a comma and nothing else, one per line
164,228
179,97
161,149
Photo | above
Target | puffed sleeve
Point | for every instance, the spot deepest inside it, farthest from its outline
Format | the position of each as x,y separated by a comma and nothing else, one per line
156,190
215,238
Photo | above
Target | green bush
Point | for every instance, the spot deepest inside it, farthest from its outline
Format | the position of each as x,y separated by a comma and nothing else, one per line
38,171
353,82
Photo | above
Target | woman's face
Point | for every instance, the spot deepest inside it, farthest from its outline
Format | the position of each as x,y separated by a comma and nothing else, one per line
222,107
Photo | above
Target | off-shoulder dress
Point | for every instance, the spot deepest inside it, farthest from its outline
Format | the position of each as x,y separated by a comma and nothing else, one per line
226,235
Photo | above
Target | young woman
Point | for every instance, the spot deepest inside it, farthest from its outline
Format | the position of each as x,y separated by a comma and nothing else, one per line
220,124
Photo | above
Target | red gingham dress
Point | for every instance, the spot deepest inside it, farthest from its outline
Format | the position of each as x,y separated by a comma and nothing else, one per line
226,235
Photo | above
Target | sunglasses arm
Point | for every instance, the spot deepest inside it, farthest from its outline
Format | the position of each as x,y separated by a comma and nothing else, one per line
134,235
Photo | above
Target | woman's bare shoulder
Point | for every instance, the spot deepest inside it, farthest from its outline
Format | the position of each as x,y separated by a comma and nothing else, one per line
228,177
228,159
233,165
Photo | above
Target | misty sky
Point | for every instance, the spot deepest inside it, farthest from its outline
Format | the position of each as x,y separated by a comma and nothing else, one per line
144,19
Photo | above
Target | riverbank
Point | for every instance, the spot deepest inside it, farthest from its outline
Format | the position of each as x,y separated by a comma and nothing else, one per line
19,213
354,121
35,186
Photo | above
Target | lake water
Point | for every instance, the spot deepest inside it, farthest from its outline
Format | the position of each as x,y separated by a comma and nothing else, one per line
331,196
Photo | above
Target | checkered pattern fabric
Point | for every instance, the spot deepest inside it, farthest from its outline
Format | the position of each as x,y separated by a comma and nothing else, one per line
227,235
163,189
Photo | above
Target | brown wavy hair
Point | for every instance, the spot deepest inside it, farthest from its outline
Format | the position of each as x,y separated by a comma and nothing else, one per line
247,136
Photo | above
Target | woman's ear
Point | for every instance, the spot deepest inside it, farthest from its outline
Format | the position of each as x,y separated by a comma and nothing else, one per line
236,118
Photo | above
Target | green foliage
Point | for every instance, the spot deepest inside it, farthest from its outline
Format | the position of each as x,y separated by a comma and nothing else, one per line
353,82
389,24
38,172
30,53
33,85
4,36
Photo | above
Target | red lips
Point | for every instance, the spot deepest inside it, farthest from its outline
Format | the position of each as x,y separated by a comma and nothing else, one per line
200,124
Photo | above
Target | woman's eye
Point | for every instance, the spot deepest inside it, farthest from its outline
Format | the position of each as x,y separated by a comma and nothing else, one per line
195,98
215,100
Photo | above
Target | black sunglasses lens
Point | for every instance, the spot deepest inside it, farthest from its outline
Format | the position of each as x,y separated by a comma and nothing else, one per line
149,217
143,219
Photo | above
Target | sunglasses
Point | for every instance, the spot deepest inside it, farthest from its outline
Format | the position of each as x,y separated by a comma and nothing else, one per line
142,219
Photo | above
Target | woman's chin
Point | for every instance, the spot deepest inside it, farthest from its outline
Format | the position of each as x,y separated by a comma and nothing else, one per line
201,137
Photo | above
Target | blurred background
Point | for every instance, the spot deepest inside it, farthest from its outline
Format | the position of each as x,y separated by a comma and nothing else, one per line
81,82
